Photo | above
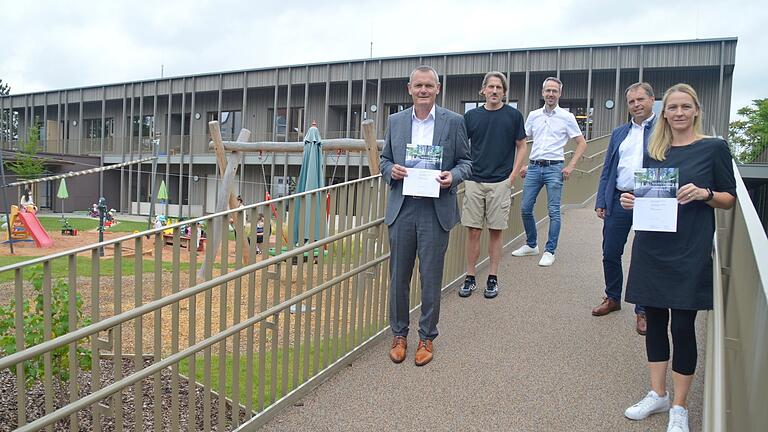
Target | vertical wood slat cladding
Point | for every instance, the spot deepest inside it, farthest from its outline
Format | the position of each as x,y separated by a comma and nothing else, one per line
696,62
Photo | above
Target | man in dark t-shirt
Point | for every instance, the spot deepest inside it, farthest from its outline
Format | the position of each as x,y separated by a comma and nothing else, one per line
497,144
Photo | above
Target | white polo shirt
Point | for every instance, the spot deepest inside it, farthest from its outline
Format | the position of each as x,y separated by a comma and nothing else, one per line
631,155
422,131
550,132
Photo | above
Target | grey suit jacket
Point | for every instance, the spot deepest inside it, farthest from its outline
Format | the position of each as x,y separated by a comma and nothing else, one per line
449,133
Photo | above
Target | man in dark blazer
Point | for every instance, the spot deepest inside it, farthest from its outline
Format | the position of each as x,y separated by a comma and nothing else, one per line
625,152
419,226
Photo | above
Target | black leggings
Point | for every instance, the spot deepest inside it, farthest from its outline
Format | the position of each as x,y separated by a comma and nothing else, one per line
683,338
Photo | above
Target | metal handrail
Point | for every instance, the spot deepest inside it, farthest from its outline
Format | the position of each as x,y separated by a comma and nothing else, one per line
737,352
106,324
351,291
191,221
358,229
589,171
714,395
176,358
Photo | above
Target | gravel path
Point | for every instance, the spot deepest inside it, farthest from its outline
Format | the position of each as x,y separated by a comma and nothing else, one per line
35,406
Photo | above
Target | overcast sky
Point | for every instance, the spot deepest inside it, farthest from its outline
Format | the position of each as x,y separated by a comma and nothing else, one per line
50,45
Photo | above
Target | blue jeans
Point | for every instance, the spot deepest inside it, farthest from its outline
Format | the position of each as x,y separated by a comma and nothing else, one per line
537,177
615,231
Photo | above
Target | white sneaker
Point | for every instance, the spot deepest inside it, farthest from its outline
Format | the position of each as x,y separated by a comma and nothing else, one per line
526,250
547,259
678,419
652,403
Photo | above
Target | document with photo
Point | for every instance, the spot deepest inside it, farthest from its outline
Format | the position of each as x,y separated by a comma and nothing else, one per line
423,165
655,200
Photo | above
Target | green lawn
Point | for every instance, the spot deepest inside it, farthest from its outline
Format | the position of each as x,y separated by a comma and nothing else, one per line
54,223
51,223
59,268
268,375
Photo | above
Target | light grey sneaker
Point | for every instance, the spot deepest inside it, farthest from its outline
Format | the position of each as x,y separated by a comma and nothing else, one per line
652,403
526,250
547,259
678,419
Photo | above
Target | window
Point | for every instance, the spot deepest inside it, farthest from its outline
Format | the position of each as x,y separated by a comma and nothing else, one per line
468,106
231,122
396,108
94,129
657,107
9,122
279,123
276,123
145,123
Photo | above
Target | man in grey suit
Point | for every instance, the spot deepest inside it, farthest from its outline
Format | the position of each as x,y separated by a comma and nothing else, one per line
420,225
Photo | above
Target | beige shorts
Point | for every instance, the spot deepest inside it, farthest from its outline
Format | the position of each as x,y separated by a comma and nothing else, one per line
486,205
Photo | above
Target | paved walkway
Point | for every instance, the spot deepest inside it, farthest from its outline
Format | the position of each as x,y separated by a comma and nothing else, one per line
533,359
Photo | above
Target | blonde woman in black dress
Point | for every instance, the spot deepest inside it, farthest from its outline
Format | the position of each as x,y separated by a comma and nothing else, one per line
671,272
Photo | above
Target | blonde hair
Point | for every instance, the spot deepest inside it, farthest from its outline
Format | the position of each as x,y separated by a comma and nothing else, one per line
661,137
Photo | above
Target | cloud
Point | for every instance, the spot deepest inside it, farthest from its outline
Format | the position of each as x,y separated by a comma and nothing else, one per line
58,45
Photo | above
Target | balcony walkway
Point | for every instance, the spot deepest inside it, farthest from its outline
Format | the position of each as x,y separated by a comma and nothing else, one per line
532,359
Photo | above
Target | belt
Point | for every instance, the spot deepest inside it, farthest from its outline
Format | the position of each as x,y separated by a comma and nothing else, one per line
544,162
624,191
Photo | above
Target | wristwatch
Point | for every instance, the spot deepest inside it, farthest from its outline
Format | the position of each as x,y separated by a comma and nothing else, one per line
710,195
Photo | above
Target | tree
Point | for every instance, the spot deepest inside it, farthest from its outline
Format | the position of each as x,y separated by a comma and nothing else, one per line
27,165
749,135
6,117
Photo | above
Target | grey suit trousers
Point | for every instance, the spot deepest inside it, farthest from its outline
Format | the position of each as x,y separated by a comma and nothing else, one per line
416,231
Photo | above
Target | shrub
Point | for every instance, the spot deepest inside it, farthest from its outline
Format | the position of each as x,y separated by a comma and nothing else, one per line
34,329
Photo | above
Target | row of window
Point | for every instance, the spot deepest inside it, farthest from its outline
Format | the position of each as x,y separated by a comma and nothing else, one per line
232,121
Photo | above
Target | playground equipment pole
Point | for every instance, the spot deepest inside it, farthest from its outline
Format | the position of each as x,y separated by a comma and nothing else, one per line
102,212
5,202
156,147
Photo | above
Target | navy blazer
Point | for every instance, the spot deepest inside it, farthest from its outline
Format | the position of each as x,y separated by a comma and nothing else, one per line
611,165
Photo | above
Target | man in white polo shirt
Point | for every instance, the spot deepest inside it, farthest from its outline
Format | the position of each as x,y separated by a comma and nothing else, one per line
550,127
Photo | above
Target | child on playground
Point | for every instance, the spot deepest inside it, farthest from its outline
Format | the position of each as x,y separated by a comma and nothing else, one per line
259,233
26,200
159,221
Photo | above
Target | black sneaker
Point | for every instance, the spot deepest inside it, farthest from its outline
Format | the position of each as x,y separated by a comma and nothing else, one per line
466,290
491,288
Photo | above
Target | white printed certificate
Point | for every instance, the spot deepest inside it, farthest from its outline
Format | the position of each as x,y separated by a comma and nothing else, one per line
423,165
655,200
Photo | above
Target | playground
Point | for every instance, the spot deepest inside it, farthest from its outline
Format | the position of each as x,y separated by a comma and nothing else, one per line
51,227
138,269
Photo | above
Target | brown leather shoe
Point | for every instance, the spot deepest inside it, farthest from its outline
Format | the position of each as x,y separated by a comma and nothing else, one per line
423,352
641,326
607,306
399,346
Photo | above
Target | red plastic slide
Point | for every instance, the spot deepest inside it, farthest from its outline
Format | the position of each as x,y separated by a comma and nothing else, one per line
38,233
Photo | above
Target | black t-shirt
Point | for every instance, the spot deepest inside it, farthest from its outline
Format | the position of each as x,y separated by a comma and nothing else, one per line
492,136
